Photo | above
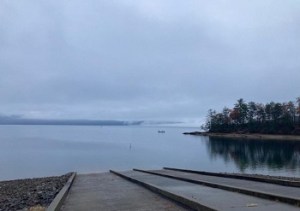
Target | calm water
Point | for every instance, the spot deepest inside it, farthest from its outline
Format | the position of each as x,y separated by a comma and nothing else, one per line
32,151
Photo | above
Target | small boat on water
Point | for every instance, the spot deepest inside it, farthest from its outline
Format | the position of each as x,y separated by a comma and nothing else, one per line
161,131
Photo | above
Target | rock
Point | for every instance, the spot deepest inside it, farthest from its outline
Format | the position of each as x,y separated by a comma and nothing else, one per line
30,194
197,133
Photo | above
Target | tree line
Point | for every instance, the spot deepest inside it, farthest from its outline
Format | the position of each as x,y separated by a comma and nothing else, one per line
251,117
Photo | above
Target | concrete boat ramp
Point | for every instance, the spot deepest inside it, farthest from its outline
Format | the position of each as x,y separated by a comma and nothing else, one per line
176,189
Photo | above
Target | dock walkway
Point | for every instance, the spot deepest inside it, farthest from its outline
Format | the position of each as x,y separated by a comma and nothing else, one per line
176,190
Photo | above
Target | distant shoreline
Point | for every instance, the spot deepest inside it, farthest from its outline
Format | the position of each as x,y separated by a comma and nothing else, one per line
246,136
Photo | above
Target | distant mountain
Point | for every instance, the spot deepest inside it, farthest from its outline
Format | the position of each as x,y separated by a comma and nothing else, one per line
16,120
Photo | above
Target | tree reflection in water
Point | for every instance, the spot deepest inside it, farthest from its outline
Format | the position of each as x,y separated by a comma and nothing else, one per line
255,154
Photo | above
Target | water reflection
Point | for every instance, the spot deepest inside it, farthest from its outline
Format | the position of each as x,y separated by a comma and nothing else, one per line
256,154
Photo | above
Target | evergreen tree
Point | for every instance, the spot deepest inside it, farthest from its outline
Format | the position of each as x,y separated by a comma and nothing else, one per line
277,118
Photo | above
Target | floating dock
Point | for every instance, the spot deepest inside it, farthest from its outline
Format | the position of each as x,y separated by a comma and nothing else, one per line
176,189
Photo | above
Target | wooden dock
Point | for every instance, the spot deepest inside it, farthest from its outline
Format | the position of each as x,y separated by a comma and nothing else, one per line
177,189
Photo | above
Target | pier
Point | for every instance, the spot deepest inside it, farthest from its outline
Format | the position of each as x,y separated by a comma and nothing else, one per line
176,189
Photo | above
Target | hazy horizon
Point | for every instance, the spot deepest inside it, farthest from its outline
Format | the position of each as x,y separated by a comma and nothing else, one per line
145,60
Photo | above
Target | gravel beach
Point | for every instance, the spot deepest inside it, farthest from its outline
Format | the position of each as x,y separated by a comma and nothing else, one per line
30,194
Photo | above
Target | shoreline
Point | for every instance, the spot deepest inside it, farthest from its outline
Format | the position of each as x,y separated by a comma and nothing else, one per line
256,136
38,193
30,194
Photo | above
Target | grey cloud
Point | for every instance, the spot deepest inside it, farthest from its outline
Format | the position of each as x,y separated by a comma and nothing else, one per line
141,60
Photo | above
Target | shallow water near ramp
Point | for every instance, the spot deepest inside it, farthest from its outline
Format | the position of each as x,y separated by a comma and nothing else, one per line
34,151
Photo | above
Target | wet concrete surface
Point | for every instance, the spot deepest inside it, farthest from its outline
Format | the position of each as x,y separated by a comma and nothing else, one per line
292,192
106,191
211,197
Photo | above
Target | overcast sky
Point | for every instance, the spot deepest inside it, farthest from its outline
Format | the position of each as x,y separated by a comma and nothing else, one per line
145,60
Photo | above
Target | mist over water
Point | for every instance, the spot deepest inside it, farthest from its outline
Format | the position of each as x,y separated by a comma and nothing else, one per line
33,151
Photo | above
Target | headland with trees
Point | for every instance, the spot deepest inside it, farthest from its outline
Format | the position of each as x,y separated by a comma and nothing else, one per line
256,118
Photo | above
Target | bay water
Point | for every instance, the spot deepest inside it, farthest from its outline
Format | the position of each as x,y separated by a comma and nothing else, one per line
35,151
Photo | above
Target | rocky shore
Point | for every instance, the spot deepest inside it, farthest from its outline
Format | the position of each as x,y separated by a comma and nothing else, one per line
30,194
247,136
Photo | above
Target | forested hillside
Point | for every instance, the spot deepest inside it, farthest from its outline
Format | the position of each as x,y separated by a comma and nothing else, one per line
252,117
